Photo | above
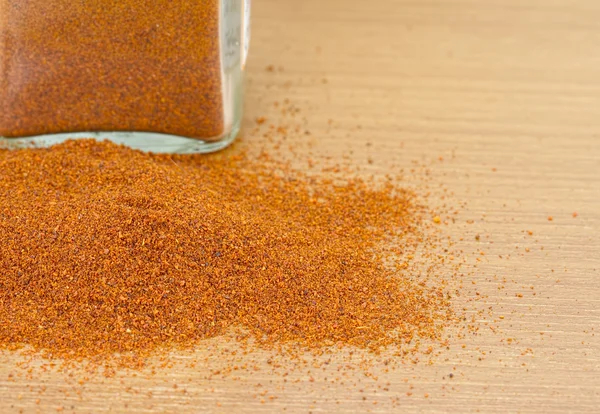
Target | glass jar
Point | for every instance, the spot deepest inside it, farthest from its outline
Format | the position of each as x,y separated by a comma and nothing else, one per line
159,75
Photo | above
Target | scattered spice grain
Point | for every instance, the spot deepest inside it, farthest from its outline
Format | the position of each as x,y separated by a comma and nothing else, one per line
106,250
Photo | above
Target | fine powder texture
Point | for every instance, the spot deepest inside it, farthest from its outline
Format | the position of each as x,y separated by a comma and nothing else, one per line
106,65
108,250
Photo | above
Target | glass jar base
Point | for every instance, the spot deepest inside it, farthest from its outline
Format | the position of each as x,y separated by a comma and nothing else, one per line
143,141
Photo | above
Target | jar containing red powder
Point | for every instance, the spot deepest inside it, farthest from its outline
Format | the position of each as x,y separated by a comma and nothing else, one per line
160,75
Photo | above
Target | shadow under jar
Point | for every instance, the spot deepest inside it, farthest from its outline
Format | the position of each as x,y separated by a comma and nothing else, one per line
156,75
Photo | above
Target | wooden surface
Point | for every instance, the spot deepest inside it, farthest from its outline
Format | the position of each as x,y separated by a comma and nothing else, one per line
508,93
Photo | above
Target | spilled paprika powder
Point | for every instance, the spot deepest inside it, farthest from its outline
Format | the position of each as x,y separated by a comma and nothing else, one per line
108,250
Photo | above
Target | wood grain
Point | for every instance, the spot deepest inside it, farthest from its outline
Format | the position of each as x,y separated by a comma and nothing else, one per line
508,93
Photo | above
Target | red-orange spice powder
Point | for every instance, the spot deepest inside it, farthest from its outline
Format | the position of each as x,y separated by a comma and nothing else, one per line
108,250
127,65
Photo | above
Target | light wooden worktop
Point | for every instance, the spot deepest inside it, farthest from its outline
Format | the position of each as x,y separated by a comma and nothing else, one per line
508,93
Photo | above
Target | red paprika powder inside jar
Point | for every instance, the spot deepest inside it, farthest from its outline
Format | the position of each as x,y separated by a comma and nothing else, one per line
161,75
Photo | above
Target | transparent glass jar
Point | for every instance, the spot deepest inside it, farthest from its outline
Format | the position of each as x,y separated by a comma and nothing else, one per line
160,75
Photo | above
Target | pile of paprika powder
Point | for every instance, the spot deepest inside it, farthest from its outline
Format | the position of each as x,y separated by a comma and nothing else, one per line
106,250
